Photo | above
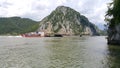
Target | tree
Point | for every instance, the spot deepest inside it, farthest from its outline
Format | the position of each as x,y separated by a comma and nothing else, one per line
113,19
113,13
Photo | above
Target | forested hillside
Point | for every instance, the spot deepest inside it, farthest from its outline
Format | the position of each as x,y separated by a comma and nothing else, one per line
17,25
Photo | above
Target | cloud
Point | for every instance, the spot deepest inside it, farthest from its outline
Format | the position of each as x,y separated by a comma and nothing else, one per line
38,9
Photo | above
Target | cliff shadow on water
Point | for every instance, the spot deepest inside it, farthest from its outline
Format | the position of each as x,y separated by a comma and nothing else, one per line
114,55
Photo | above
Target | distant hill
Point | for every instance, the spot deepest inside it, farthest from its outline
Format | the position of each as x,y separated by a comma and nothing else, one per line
65,20
17,25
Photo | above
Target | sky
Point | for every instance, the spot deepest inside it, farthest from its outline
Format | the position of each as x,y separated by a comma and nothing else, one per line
94,10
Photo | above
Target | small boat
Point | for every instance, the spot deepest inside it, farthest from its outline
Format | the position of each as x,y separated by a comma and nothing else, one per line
33,34
30,35
80,35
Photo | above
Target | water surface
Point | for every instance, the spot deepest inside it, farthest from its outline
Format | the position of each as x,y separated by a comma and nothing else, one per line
64,52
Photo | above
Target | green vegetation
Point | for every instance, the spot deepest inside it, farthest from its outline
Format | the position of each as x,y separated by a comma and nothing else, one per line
63,19
113,13
17,25
113,19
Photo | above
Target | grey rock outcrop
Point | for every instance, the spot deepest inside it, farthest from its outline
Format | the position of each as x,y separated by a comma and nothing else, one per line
67,21
114,35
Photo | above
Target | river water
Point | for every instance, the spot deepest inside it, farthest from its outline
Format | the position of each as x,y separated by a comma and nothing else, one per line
64,52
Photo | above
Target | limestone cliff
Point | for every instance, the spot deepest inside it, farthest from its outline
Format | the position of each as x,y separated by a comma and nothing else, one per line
65,20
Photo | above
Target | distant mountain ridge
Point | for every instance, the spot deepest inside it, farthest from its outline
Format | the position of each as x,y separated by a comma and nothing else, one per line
65,20
17,25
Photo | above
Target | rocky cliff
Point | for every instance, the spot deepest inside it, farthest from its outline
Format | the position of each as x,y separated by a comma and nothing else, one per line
65,20
114,35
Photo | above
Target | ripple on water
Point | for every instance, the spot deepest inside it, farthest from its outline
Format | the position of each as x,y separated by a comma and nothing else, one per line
65,52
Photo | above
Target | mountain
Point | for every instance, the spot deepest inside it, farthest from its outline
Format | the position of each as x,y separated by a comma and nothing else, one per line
65,20
17,25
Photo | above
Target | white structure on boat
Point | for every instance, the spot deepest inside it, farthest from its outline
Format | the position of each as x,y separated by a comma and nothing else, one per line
42,34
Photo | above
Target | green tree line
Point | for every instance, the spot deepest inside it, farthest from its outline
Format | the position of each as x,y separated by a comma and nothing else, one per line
17,25
113,13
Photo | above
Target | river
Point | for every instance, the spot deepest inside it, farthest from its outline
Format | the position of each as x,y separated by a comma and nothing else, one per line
58,52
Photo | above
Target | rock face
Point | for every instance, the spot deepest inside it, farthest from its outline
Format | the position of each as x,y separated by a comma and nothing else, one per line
67,21
114,35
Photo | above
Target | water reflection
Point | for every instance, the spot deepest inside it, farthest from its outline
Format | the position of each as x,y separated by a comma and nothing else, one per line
114,56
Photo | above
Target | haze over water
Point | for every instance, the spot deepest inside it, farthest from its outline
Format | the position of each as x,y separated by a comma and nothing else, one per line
64,52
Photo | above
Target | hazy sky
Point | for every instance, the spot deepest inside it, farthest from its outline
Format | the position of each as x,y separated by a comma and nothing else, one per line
94,10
